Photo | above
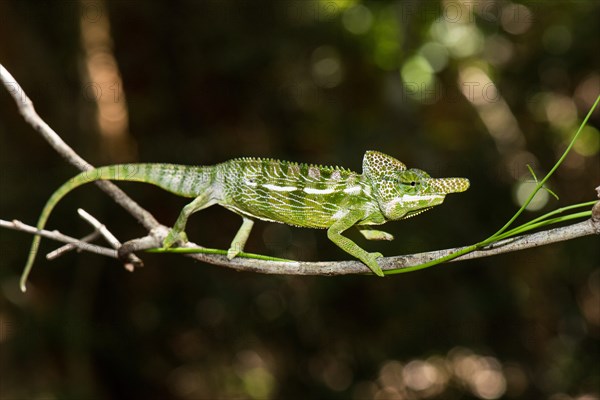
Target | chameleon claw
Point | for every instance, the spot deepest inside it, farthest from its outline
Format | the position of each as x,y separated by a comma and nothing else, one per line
174,237
232,253
236,248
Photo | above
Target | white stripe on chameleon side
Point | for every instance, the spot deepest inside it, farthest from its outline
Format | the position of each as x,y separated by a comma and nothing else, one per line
353,189
318,191
280,188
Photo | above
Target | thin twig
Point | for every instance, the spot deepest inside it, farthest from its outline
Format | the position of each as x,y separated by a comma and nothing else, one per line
59,237
100,228
130,260
54,254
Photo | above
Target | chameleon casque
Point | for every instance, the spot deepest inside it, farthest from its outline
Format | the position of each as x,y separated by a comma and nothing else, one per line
304,195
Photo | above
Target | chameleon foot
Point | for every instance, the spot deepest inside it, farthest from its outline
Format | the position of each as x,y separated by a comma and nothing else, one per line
232,253
174,237
234,249
371,262
240,239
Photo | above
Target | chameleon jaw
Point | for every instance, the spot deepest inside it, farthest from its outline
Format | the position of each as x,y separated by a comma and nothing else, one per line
410,205
411,214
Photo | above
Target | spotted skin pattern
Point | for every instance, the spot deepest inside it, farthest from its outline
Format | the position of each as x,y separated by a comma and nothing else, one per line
303,195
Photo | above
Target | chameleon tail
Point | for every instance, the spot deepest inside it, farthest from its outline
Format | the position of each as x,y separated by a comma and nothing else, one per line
182,180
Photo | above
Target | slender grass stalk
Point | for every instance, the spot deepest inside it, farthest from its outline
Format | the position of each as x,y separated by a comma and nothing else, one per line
205,250
533,224
551,172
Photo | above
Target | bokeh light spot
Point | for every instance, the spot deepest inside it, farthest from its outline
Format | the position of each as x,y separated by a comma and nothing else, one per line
357,19
416,70
419,79
390,375
488,384
587,90
257,380
435,54
516,19
462,40
523,191
588,142
326,67
561,111
557,39
420,375
387,40
498,50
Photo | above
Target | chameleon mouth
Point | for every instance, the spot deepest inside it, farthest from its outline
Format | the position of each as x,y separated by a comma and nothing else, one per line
411,214
415,204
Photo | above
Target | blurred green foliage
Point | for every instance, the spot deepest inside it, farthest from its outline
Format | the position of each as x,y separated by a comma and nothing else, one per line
461,88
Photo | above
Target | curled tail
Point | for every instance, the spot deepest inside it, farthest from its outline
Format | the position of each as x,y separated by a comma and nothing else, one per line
185,181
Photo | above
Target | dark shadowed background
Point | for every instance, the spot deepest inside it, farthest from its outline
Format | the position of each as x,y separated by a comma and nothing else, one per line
458,88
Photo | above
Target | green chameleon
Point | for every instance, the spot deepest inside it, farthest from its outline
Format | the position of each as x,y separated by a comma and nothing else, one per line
287,192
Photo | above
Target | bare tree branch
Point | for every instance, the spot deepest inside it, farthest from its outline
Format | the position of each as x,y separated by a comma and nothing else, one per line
158,232
596,208
528,241
28,112
54,254
580,229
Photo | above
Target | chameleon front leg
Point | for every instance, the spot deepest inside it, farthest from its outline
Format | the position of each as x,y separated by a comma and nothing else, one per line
374,234
240,239
177,233
334,233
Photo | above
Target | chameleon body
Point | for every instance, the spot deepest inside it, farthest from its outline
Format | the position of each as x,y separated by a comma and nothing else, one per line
297,194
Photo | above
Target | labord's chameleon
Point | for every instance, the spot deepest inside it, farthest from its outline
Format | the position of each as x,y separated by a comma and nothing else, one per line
297,194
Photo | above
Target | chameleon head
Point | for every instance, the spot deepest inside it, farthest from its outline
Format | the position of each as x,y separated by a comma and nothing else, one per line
403,193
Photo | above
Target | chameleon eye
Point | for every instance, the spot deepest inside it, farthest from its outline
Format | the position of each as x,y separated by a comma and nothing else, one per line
413,183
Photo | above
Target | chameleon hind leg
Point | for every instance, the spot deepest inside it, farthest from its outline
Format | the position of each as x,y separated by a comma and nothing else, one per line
334,233
177,233
240,239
